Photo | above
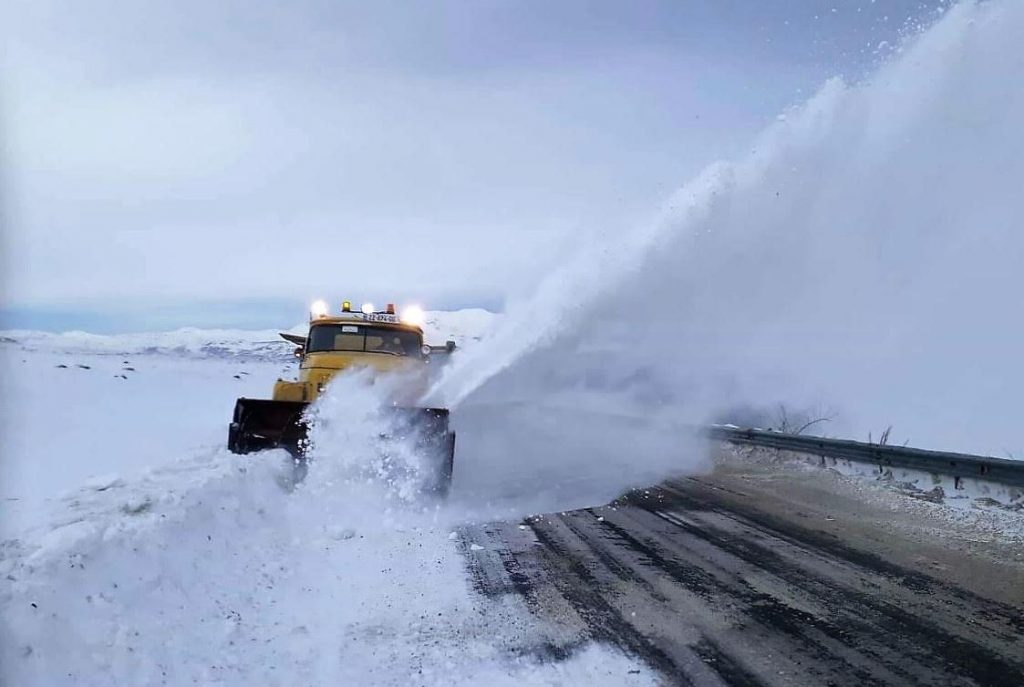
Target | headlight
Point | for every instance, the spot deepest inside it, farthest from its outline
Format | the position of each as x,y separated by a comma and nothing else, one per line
318,309
413,314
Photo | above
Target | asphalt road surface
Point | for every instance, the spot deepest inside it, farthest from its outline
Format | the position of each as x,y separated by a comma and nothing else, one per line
745,578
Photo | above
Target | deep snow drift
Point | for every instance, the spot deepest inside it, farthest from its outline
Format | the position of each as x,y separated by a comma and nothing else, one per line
865,258
213,572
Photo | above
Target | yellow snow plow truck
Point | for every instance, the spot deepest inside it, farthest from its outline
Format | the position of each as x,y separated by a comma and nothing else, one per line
382,341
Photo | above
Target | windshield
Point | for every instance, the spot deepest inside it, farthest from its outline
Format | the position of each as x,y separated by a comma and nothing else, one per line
362,338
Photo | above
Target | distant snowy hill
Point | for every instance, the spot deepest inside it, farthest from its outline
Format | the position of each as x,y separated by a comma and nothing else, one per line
462,326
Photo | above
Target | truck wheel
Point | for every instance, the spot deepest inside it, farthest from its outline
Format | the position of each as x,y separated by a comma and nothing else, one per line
445,466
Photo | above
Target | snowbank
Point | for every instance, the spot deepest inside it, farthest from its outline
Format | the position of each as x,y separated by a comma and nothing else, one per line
215,571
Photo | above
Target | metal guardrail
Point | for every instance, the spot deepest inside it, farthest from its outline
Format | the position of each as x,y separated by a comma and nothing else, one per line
956,465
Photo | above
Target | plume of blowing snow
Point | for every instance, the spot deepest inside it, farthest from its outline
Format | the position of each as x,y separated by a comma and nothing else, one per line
356,445
866,255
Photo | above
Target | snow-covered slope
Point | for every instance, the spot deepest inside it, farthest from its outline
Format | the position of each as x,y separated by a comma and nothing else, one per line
71,415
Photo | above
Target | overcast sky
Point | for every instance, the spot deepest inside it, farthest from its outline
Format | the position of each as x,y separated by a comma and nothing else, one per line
211,159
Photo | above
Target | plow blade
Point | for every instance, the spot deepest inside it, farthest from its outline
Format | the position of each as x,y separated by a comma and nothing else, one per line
260,424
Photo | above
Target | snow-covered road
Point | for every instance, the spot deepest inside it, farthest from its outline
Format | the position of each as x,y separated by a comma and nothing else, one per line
768,573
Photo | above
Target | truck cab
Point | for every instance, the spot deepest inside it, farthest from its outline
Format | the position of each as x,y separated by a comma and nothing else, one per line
381,342
376,340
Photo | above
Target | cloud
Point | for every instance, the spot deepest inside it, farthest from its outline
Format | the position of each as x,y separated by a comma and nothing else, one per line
196,150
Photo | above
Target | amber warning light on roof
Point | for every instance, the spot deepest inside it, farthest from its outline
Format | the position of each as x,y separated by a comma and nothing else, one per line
412,314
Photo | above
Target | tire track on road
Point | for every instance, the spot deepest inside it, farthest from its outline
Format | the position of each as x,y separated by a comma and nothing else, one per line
707,589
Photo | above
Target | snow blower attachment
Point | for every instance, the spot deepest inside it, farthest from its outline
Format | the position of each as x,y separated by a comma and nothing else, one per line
380,341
